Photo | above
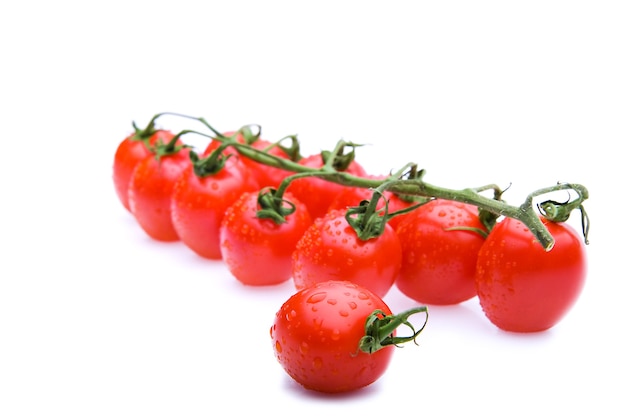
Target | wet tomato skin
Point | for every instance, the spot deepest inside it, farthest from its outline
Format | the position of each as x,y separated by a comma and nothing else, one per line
331,250
521,286
150,193
258,251
316,335
439,263
199,204
128,154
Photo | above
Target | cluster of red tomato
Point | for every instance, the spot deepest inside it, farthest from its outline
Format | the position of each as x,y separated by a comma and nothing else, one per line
439,253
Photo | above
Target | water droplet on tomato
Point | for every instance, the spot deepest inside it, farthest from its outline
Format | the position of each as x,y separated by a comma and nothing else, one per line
304,348
332,301
291,315
278,347
343,313
335,335
352,305
317,363
363,296
316,298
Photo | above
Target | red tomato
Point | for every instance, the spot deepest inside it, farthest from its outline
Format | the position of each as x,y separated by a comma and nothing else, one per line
199,203
266,176
438,264
331,250
257,251
352,196
523,288
321,337
317,193
395,203
150,193
128,154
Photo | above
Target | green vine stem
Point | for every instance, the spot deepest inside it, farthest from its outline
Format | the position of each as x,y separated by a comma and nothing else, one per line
414,185
379,329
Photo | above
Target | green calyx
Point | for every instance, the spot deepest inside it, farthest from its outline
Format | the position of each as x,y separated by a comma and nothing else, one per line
273,207
380,328
338,160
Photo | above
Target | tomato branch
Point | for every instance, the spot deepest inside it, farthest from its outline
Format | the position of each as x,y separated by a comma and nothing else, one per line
414,185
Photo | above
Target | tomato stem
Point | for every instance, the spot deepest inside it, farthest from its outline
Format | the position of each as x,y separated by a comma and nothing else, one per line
412,184
380,328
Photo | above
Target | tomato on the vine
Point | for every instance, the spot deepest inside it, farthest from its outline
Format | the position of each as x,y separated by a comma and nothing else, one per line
151,186
336,336
318,193
132,150
201,195
330,249
440,243
257,247
266,176
521,286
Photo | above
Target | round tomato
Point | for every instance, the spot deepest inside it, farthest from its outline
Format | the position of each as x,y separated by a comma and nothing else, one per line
317,193
328,337
150,192
521,286
199,203
257,251
438,258
331,250
266,176
129,153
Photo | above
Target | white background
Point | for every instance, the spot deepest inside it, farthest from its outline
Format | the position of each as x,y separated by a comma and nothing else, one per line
98,320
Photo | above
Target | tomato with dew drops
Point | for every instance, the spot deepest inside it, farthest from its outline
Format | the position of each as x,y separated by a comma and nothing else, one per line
337,336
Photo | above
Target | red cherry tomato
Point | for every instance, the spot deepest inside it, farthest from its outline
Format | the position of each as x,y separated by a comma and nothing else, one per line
352,196
317,193
523,288
257,251
438,262
331,250
199,203
128,154
324,336
266,176
150,193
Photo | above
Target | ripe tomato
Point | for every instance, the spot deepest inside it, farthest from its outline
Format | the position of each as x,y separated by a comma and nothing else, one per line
331,250
317,193
523,288
326,337
199,203
128,154
257,251
352,196
150,192
266,176
438,264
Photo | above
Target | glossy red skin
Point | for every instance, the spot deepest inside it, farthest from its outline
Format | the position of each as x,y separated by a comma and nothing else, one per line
199,203
521,287
127,155
150,193
266,176
316,193
438,265
331,250
258,251
316,336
